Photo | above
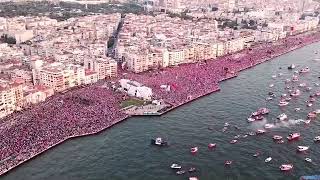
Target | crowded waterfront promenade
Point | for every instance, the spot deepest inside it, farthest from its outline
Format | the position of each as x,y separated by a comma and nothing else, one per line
91,109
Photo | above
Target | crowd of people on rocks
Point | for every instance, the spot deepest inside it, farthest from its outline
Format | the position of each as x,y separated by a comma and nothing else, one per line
190,81
91,109
75,113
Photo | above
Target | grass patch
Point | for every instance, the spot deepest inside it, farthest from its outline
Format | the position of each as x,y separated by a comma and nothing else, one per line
133,102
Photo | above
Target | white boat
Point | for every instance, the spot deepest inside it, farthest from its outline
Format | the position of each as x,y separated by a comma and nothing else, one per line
308,88
308,160
159,142
287,81
312,115
226,124
251,119
296,93
307,121
193,178
277,138
297,109
271,85
236,137
312,99
282,117
302,85
283,103
268,126
292,66
295,78
287,98
175,166
211,145
309,104
233,141
268,159
180,172
274,76
293,136
280,74
260,131
263,111
286,167
194,150
302,148
224,129
228,162
316,139
317,111
304,70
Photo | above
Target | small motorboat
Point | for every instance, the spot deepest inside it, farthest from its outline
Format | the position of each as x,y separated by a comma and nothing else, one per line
271,94
180,172
194,150
276,137
260,131
307,121
233,141
286,167
263,111
302,148
309,104
317,93
175,166
280,74
250,119
159,142
295,93
236,137
282,117
287,81
228,162
295,78
269,98
283,95
316,139
280,142
302,85
193,178
317,111
293,136
192,169
244,136
211,145
292,66
308,160
304,70
297,109
308,88
268,126
251,133
271,85
312,99
256,154
287,98
268,159
283,103
274,76
312,114
224,129
226,124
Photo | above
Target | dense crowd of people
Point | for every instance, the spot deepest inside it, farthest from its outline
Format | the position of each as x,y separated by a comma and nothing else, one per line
91,109
76,113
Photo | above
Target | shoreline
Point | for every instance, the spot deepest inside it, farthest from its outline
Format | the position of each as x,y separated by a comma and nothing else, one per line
174,106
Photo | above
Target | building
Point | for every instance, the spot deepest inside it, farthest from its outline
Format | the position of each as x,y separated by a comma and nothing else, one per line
104,67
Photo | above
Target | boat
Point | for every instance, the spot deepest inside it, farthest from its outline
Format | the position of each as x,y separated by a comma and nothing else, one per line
295,93
312,114
260,131
271,85
302,85
317,111
263,111
287,81
304,70
228,162
292,66
192,169
302,148
308,88
194,150
211,145
276,137
293,136
226,124
180,172
287,98
316,139
236,137
313,177
233,141
307,121
280,142
271,94
274,76
268,126
244,136
282,117
308,160
193,178
256,154
175,166
286,167
317,93
268,159
224,129
258,118
269,98
250,119
295,78
312,99
309,104
280,74
283,103
297,109
159,142
251,133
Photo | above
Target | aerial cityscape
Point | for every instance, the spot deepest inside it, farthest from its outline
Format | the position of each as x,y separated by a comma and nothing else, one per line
204,89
